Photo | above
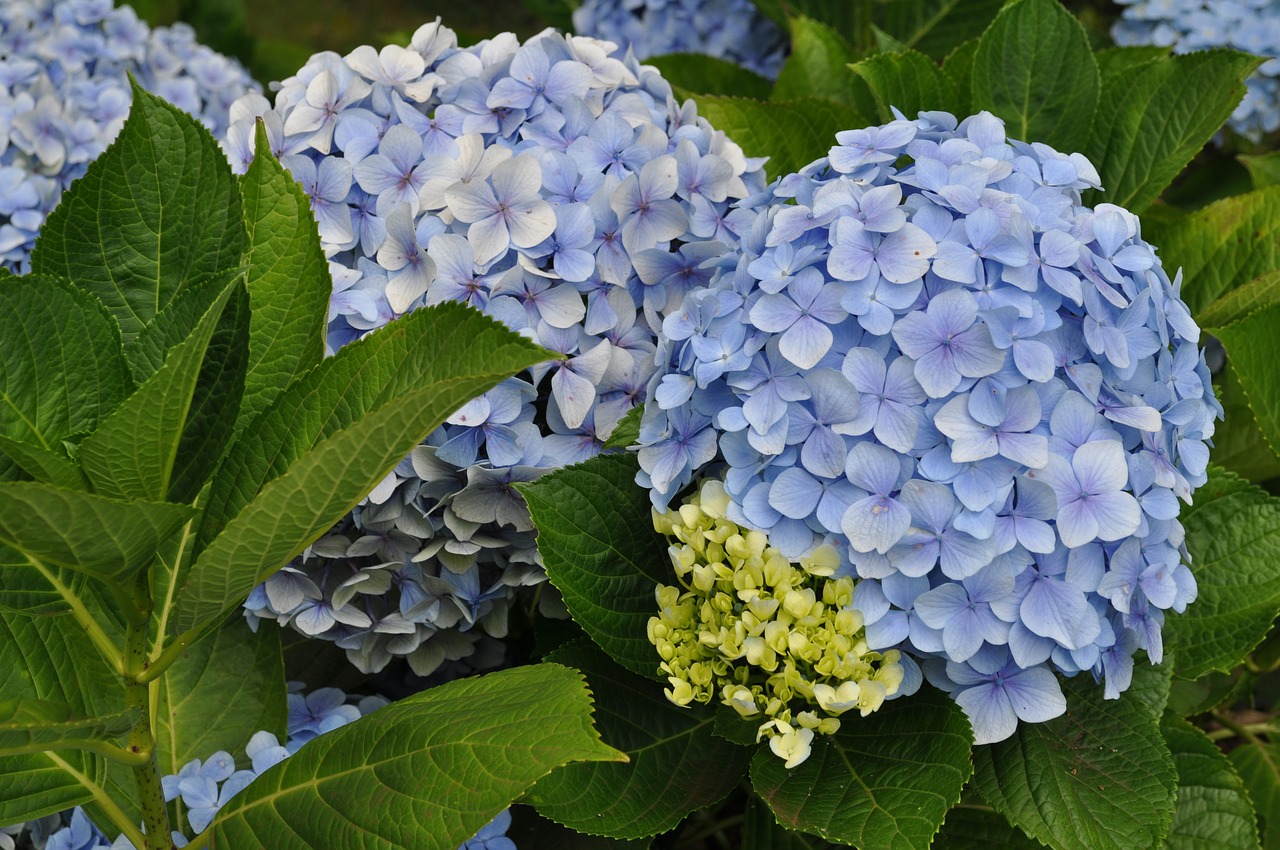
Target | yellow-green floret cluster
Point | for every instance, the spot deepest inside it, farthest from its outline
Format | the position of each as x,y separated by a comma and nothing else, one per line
779,642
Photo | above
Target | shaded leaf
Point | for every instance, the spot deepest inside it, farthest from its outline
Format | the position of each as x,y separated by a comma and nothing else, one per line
1264,168
819,67
1213,810
702,74
1258,763
909,81
935,27
44,465
973,828
28,723
761,831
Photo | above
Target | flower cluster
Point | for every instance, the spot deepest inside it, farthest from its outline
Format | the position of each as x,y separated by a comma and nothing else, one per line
780,644
734,30
65,95
1187,25
984,395
553,185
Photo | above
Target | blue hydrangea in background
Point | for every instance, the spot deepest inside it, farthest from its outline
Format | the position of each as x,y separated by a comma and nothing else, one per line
1186,25
985,395
734,30
558,187
64,95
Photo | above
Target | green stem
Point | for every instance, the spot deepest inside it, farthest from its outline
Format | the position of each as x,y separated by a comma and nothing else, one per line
142,739
1238,729
104,803
1241,730
100,748
156,667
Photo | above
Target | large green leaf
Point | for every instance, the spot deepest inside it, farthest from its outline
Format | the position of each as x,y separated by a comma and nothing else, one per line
1258,763
1213,810
676,765
27,723
330,438
791,133
1238,444
981,828
61,369
1252,349
596,537
909,81
27,590
134,452
1153,118
84,532
883,781
45,659
156,212
935,27
424,773
288,281
819,67
761,831
1233,533
1221,247
1097,778
1034,69
219,694
46,465
702,74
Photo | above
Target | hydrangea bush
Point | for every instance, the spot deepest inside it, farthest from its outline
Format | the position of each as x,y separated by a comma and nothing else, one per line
558,187
734,30
1189,25
65,95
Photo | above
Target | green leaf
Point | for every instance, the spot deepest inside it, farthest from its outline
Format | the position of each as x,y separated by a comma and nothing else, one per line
425,772
819,67
973,828
1258,763
330,438
1264,168
627,432
1034,69
42,659
1213,810
1097,778
1233,532
52,335
702,74
935,27
1242,301
761,831
158,211
288,281
958,66
44,465
104,538
1114,62
26,724
909,81
1153,118
133,453
1238,444
1252,350
26,589
791,133
734,728
1222,246
219,694
596,537
883,781
676,765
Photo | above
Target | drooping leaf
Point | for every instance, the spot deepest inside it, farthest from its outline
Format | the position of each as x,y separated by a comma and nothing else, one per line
883,781
26,724
596,537
132,454
1233,532
84,532
288,281
1242,301
1213,810
1155,117
980,828
330,438
156,212
761,831
420,773
61,370
1221,247
702,74
791,133
1258,763
909,81
819,67
1097,778
676,765
1033,68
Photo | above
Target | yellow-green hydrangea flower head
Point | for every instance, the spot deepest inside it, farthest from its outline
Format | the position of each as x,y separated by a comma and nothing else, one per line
779,642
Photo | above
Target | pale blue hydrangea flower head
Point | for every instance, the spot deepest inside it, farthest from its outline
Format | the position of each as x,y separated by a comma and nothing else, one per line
559,187
986,396
734,30
65,95
1187,25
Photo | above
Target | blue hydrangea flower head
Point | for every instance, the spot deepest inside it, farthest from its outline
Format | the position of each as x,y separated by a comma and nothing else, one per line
1188,25
65,96
556,185
987,397
734,30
